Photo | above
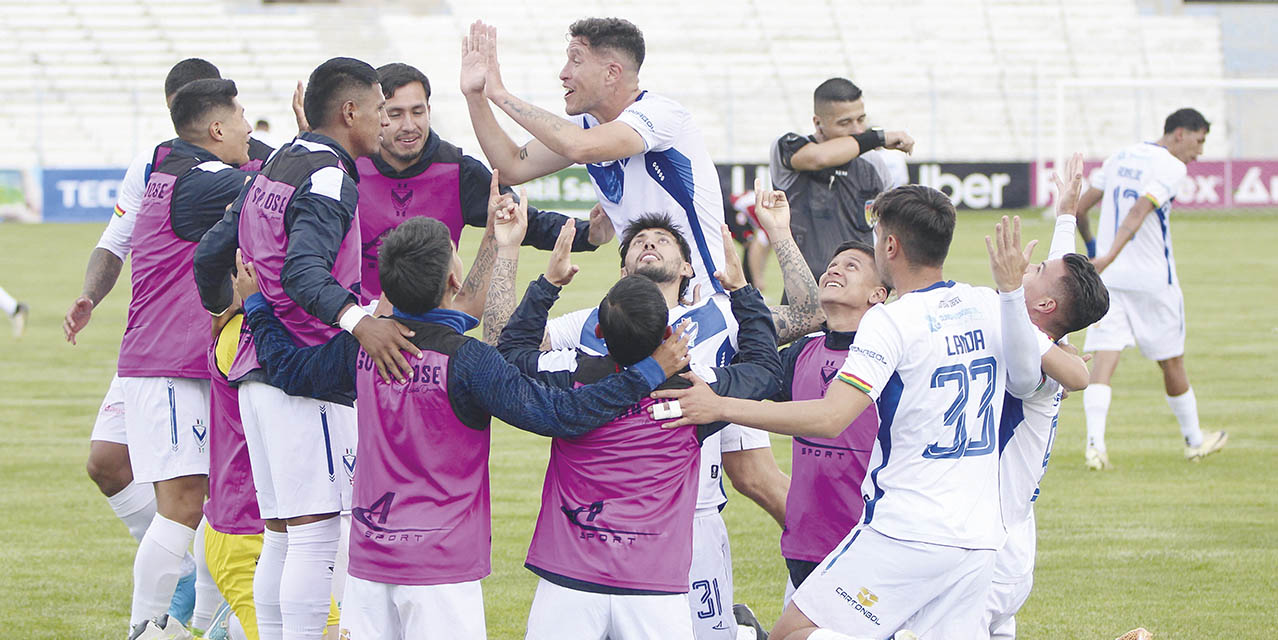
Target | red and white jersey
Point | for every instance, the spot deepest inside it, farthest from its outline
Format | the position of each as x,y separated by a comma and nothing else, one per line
933,363
1151,172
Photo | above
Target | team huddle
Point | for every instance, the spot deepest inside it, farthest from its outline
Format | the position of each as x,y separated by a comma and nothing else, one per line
314,460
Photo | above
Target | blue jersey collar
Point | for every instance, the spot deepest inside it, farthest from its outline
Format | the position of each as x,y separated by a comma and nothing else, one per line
457,320
935,285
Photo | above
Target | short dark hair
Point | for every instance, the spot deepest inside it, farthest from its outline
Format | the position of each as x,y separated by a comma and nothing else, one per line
1188,119
1082,299
332,84
397,74
922,218
261,123
656,221
414,262
836,90
188,71
195,100
633,318
617,34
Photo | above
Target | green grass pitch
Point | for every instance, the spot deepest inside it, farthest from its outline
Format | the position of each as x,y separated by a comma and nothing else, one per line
1187,550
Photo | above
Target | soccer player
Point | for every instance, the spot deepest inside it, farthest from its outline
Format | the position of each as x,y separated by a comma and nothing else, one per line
421,529
830,177
296,222
614,540
417,173
826,473
1028,428
1136,188
653,246
934,363
643,151
17,312
163,368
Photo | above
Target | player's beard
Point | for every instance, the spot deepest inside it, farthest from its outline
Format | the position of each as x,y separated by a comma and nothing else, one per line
658,274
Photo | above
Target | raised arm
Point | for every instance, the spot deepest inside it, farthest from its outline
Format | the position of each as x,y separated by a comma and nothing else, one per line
517,164
474,292
543,226
510,221
756,372
803,314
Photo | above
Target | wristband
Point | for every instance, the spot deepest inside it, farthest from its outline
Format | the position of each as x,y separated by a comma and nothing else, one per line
870,140
352,318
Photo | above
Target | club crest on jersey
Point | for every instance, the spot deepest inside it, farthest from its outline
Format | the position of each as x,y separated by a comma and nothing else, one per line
401,197
828,372
201,432
348,462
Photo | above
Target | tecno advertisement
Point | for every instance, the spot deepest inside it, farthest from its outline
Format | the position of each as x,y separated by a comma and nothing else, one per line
80,195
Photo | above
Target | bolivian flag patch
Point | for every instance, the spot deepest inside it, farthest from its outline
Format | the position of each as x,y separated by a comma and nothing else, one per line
856,382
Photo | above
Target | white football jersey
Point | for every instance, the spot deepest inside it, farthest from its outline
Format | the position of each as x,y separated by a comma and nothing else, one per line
1149,171
118,235
932,361
713,344
674,175
1026,435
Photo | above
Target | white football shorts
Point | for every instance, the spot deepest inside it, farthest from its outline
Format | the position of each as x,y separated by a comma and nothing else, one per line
871,586
167,427
109,425
1154,321
378,611
559,612
302,452
1002,602
710,579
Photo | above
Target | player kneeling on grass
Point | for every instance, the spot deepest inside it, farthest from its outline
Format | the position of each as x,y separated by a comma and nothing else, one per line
421,527
613,543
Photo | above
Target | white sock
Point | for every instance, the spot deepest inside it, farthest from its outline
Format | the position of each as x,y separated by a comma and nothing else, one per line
1096,408
207,596
746,633
343,560
157,567
306,586
134,505
266,585
7,304
1185,406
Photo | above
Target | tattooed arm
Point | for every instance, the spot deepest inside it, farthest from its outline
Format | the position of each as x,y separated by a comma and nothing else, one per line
501,293
474,290
510,221
803,314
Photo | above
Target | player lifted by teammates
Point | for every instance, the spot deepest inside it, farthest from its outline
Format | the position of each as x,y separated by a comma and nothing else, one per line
643,151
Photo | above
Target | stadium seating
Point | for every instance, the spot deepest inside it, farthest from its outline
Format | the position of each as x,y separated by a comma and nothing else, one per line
970,79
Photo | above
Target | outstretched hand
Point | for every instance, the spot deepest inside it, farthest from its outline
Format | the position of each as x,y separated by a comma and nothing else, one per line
1007,261
601,229
561,270
698,403
1067,194
509,217
474,61
771,208
494,88
732,275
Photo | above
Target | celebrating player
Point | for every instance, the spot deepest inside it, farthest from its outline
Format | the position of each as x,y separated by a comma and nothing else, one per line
643,151
614,540
163,357
826,473
421,529
830,176
1135,258
654,247
939,558
296,221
